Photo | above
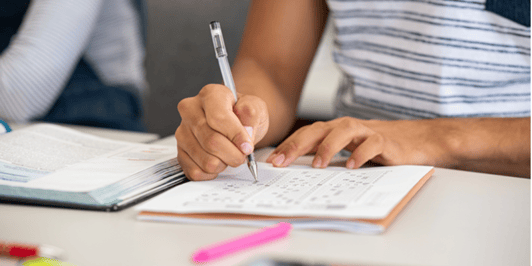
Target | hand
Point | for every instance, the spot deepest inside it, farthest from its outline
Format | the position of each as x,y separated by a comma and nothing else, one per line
215,133
384,142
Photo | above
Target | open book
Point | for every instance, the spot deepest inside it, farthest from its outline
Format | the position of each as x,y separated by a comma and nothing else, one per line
52,165
365,200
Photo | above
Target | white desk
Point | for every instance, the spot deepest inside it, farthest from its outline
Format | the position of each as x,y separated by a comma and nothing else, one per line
457,218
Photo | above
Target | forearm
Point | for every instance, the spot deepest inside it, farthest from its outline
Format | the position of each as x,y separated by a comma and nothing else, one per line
278,45
493,145
252,79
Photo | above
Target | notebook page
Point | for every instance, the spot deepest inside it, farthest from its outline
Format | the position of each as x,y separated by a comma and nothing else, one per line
369,193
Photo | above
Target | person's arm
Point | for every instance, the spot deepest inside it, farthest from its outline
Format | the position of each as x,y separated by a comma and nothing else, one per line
491,145
277,48
279,43
42,55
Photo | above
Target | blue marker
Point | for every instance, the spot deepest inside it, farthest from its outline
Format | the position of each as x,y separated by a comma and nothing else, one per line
4,127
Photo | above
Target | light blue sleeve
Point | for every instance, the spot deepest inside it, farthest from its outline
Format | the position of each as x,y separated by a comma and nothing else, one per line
42,55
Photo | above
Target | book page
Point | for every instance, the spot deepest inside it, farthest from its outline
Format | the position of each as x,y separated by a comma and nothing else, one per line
53,157
369,193
35,151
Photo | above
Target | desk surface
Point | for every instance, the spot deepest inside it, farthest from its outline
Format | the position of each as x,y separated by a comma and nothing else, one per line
457,218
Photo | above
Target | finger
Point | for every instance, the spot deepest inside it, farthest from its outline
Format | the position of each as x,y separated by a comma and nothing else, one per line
300,143
270,157
274,153
209,140
217,104
253,112
335,141
373,146
206,161
191,169
219,146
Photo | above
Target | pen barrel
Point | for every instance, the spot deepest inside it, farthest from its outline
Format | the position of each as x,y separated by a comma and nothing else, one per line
227,75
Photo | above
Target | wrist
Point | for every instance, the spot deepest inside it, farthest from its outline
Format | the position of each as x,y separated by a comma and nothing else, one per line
456,142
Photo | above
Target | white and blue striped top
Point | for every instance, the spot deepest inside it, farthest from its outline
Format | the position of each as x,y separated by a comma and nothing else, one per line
407,59
53,37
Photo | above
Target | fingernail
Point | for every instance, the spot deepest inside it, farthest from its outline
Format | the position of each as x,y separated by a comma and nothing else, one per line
246,148
350,164
317,162
278,160
250,131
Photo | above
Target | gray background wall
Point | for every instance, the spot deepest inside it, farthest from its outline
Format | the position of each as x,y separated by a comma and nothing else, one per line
180,56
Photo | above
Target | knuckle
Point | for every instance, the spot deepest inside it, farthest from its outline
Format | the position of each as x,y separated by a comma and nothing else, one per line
216,119
325,149
319,124
350,123
184,104
198,175
199,124
343,119
287,147
195,174
208,89
181,133
237,161
248,110
379,140
177,133
292,146
211,143
211,165
318,127
180,160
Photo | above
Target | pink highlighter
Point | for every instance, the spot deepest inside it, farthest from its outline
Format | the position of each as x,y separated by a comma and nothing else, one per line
263,236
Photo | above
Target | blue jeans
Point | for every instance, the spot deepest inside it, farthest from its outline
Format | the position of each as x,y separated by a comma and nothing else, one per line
87,101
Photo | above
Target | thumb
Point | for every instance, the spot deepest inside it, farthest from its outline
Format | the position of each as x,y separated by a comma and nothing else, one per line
253,114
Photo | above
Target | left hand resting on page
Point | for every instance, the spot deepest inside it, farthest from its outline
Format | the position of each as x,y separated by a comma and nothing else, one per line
427,142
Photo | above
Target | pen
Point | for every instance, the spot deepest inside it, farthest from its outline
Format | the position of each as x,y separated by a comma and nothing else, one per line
221,54
263,236
26,251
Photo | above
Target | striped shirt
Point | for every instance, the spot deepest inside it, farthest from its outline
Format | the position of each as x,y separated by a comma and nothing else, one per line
54,35
408,59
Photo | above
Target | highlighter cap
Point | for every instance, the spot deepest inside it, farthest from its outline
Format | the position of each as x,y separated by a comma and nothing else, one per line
218,39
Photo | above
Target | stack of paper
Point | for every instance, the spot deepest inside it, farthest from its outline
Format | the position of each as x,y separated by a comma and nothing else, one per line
362,201
52,165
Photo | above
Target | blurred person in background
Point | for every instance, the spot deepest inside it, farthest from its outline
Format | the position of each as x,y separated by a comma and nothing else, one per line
442,83
73,61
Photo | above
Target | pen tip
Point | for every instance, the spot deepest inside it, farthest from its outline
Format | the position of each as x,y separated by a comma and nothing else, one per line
253,168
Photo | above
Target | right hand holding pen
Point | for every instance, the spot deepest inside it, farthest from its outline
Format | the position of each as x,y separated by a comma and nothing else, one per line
215,133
